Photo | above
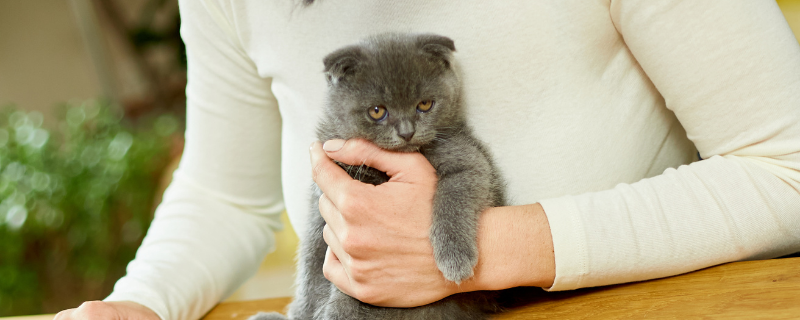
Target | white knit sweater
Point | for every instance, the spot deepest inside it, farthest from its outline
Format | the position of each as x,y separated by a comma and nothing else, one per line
595,109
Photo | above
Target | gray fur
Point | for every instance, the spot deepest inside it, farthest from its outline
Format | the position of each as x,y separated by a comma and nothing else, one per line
398,71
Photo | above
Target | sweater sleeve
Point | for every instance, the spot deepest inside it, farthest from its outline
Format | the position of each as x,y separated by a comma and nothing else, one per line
730,71
216,222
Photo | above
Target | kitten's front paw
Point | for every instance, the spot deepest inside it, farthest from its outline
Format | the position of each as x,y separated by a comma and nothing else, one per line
456,260
268,316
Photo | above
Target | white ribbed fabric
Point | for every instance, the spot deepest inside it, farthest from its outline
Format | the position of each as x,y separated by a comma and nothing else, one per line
590,108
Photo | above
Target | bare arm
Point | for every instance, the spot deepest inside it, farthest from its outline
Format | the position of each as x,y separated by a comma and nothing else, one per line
515,249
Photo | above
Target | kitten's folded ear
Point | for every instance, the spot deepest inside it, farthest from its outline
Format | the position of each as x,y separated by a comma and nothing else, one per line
438,46
342,63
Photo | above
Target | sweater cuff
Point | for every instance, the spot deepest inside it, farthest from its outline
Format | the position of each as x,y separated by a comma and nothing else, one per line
139,294
569,243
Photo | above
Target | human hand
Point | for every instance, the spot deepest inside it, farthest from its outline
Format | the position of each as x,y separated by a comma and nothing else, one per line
379,250
102,310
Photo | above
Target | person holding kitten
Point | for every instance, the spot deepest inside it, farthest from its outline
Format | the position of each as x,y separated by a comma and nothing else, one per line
594,113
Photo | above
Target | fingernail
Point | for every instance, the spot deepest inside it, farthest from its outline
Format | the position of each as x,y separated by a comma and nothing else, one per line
333,145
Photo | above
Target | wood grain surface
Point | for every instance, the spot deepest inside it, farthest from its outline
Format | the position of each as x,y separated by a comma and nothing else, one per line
244,309
767,289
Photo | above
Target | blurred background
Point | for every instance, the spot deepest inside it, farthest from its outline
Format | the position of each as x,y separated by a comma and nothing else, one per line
91,119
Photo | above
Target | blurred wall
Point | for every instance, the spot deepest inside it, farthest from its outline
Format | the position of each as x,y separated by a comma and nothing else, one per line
43,60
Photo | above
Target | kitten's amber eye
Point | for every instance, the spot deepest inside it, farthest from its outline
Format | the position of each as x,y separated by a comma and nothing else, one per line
425,106
377,112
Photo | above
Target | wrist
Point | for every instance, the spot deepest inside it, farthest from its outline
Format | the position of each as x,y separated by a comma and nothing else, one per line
515,249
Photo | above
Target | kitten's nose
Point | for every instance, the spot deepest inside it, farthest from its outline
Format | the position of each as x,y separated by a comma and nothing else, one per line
405,129
406,135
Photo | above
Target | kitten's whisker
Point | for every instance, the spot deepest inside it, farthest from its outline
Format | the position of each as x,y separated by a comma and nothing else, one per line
360,172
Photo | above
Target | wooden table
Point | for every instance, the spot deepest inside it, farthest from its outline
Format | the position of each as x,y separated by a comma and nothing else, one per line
768,289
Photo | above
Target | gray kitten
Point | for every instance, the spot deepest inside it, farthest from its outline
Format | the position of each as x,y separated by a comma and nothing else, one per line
403,93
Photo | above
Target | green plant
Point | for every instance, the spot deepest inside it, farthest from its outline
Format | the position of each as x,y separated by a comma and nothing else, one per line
74,202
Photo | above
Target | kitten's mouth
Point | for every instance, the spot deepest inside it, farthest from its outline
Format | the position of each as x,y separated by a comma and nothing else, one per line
402,147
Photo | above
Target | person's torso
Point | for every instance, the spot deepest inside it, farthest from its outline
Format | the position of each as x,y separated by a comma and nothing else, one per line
550,86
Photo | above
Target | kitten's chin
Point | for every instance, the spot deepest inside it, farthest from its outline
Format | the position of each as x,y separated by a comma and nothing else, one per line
405,147
408,148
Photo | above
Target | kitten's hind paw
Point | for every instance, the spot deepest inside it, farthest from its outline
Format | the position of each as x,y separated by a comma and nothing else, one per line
457,262
268,316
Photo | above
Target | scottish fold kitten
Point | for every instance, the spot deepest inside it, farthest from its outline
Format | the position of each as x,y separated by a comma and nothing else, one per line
403,92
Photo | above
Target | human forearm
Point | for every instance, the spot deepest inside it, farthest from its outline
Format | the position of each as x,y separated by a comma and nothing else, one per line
197,250
516,249
713,211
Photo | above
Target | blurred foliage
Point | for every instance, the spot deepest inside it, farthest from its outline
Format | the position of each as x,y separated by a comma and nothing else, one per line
74,202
